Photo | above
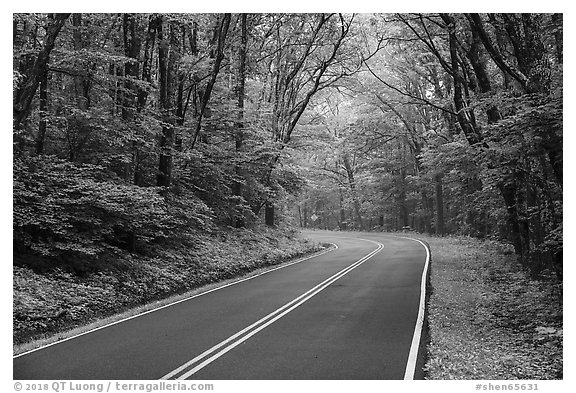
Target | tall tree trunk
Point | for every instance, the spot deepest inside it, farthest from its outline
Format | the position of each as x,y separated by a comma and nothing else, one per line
151,33
132,46
500,47
519,231
181,102
428,212
82,83
240,82
25,93
352,185
194,52
496,55
142,94
166,62
239,89
465,115
557,19
539,258
26,38
220,37
269,213
478,62
402,206
43,114
343,224
439,205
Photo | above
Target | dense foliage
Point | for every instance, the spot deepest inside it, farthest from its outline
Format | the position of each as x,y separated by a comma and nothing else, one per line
148,148
135,133
134,129
453,126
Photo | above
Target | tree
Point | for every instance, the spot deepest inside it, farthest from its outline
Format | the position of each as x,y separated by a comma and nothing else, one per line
240,92
441,122
302,65
26,90
219,37
467,67
167,57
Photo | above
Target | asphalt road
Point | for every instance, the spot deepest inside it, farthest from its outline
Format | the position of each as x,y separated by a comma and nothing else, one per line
350,313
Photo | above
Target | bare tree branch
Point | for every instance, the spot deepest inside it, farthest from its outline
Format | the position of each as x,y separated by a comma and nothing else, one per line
423,100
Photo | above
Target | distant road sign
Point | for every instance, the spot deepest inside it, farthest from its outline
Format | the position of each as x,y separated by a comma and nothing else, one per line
314,217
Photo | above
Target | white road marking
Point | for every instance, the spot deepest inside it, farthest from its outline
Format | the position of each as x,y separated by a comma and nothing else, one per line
177,302
262,323
413,355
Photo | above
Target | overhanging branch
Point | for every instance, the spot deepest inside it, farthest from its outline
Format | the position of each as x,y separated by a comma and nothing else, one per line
427,102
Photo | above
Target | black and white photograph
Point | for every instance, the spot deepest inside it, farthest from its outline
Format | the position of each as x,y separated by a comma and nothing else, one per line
203,197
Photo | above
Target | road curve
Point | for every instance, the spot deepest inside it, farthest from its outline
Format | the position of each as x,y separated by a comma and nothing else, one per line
346,314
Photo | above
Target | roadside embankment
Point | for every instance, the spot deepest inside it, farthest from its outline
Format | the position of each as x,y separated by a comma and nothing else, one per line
50,302
487,319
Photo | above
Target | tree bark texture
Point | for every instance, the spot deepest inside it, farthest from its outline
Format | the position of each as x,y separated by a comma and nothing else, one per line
239,90
353,190
43,95
167,62
220,38
25,93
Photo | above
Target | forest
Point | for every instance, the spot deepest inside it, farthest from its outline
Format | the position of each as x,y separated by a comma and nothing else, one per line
134,134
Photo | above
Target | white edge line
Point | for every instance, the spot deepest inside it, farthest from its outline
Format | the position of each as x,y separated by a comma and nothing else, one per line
413,355
302,299
178,301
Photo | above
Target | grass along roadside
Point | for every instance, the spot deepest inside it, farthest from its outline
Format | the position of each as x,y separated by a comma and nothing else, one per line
55,306
486,318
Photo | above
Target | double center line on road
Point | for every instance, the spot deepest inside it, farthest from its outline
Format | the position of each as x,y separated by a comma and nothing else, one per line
199,362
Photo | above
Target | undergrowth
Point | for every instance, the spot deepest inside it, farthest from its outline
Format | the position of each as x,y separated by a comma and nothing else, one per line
487,318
